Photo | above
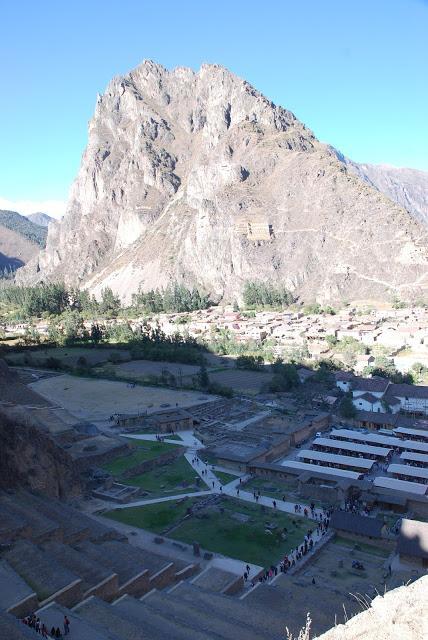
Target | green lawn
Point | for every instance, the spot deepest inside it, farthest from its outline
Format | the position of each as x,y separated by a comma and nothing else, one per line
224,477
223,532
367,548
143,450
154,517
177,477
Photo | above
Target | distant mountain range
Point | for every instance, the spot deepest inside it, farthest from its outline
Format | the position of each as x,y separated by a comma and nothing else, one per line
406,187
197,178
20,240
42,219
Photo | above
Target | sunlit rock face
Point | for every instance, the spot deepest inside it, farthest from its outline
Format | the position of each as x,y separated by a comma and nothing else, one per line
197,177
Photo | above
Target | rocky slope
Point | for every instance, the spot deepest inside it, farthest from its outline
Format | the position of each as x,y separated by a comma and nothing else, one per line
407,187
197,177
20,240
400,614
29,458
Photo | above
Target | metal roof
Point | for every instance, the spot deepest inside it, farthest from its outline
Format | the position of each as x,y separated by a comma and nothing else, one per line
400,485
414,445
333,458
351,446
414,457
374,438
408,470
304,466
411,432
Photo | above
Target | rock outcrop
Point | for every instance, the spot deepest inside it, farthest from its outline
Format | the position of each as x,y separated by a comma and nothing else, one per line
198,178
30,459
400,614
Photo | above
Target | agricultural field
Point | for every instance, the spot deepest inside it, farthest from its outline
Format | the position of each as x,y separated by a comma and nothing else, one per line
241,380
92,399
67,355
139,369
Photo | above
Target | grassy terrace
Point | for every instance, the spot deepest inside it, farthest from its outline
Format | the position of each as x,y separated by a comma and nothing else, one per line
224,477
177,477
154,517
233,528
143,450
273,488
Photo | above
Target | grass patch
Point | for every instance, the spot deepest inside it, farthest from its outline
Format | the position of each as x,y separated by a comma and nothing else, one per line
177,477
222,532
154,517
224,477
143,450
247,541
367,548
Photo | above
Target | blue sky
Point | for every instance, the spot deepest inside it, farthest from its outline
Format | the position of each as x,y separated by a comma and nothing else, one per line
355,72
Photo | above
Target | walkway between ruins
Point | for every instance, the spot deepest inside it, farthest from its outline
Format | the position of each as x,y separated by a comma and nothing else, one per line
207,474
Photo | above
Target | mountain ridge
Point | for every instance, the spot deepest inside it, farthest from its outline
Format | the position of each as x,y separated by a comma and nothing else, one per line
20,240
197,177
40,218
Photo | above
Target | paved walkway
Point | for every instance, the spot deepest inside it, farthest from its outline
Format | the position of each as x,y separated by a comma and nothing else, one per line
214,485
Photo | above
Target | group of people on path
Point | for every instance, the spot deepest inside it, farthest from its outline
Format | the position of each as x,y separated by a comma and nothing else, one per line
291,559
39,627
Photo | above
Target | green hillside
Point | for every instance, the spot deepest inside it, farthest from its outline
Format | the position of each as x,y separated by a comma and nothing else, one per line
20,224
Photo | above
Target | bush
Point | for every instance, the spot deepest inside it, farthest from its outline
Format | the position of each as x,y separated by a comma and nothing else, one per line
254,363
220,390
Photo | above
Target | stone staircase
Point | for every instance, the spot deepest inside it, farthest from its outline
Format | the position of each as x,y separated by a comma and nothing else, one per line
57,562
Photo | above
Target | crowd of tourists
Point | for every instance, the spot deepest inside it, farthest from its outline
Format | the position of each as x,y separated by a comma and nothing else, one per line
33,622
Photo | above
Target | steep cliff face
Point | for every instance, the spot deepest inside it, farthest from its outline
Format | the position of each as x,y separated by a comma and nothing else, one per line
197,177
30,459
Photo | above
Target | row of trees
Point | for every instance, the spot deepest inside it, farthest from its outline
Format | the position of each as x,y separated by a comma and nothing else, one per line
266,295
55,299
174,298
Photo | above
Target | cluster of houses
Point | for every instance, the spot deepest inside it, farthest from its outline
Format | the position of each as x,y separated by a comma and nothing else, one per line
378,395
401,332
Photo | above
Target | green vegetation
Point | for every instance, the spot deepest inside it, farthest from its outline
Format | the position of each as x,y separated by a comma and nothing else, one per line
347,408
261,294
22,225
172,478
176,297
284,378
154,517
253,363
236,529
224,477
314,308
142,450
55,299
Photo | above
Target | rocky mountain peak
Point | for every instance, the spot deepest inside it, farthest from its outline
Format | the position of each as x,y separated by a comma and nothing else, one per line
197,177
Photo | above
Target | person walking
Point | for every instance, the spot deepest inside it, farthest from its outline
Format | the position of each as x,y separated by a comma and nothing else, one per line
66,626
